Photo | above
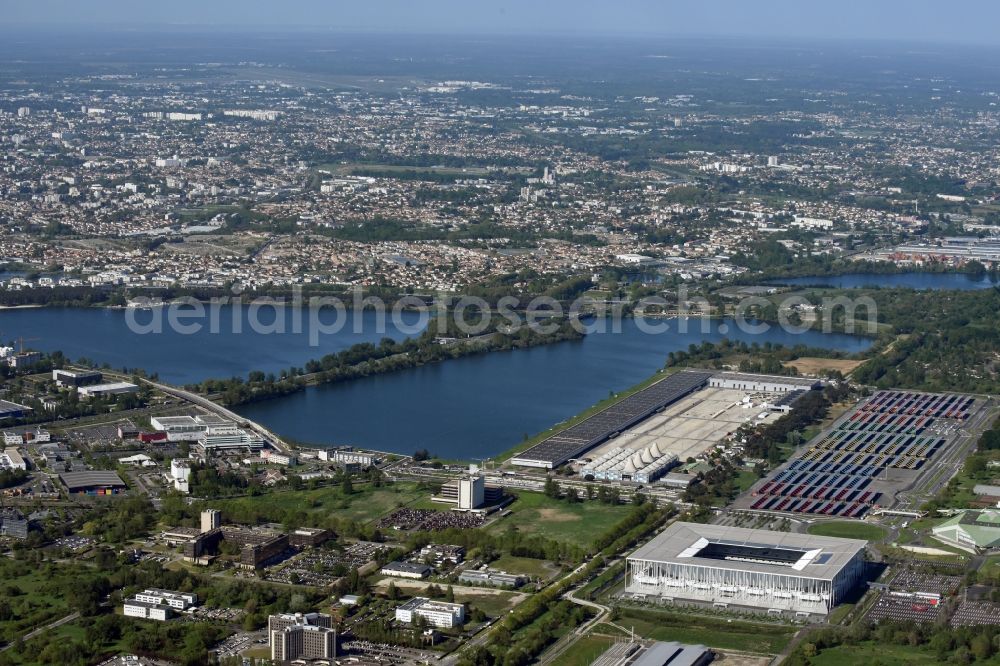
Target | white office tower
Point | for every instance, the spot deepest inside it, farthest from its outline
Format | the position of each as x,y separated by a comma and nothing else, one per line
471,492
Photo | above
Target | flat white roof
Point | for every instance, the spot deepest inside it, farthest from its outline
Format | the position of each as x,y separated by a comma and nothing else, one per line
800,554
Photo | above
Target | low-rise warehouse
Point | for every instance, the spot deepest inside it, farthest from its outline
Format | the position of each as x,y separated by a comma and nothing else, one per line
763,383
93,482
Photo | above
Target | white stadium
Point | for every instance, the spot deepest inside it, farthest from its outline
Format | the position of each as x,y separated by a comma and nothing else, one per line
733,567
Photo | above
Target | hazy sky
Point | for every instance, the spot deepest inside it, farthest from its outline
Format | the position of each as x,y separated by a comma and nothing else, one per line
973,21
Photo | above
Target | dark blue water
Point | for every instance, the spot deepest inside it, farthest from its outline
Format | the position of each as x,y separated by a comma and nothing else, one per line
480,406
942,281
104,336
468,408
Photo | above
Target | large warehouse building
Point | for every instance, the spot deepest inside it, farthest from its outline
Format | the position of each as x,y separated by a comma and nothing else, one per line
611,421
732,567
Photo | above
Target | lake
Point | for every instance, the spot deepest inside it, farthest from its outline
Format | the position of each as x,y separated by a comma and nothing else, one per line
941,281
468,408
480,406
103,335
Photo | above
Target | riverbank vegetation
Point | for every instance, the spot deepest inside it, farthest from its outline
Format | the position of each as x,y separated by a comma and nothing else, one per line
367,359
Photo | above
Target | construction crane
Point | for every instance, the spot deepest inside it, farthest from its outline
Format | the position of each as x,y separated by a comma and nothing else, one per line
20,343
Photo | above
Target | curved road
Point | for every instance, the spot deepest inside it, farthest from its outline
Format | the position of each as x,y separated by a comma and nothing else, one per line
216,408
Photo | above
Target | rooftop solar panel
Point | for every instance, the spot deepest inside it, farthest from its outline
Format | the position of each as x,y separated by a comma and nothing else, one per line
586,434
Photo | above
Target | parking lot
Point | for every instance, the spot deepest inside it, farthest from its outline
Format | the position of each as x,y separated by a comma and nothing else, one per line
879,448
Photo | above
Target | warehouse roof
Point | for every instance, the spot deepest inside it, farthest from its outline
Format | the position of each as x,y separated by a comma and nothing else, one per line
91,479
804,382
761,551
616,418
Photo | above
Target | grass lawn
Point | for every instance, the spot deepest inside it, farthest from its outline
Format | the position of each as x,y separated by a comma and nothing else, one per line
873,654
585,651
366,504
848,529
524,565
577,523
257,653
745,479
718,632
494,604
839,613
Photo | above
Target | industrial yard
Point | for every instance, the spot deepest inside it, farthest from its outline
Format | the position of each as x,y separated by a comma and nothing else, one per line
695,424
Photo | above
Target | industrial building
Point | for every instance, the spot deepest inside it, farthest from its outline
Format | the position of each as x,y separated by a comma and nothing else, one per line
609,422
628,653
763,383
759,570
441,553
211,519
104,390
974,531
622,464
406,570
490,578
178,428
94,482
301,636
436,613
11,458
77,378
12,410
212,433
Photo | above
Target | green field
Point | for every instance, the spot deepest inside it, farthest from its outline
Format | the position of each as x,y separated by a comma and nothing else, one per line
365,504
585,651
718,632
877,654
35,595
524,565
578,523
848,529
493,604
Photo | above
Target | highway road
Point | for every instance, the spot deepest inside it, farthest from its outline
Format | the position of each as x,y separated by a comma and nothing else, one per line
216,408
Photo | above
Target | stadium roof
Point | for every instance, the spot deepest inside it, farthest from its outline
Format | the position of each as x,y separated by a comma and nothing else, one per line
91,479
742,549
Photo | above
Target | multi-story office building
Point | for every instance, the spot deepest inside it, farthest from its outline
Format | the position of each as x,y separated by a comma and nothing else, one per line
436,613
301,636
